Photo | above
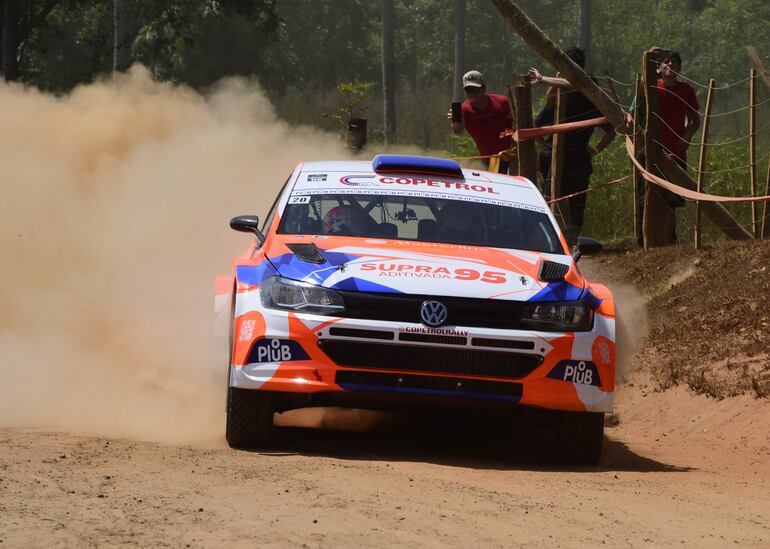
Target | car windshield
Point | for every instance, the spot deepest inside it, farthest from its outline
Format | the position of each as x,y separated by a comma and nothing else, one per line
420,218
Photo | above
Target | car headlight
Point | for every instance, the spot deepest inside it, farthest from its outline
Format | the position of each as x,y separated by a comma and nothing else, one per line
567,316
281,293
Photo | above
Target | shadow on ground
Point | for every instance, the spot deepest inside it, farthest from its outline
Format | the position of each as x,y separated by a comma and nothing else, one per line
482,441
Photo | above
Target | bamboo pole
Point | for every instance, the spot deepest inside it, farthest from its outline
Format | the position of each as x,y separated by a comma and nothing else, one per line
635,185
765,228
753,147
757,60
702,161
527,153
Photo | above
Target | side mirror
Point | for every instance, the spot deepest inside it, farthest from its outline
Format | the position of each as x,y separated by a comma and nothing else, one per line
247,224
587,246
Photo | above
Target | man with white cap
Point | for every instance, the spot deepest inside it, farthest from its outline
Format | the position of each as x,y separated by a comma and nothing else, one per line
485,116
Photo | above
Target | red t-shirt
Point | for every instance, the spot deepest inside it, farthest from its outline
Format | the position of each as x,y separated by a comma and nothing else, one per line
674,105
485,125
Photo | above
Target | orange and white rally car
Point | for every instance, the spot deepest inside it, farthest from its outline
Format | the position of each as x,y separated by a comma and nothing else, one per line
409,279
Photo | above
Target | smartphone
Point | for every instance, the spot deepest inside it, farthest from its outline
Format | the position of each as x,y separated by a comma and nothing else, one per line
457,112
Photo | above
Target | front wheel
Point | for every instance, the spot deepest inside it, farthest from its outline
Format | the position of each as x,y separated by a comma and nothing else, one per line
581,437
249,418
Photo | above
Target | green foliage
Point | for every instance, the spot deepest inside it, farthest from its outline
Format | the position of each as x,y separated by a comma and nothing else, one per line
302,50
353,97
463,145
201,41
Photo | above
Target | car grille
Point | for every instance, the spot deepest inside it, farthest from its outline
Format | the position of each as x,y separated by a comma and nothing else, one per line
453,361
460,387
471,312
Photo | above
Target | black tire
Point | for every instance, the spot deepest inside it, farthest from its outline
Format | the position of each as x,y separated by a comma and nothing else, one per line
581,437
249,419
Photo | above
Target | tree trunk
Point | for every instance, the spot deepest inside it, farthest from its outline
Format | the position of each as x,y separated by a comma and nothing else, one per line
120,55
584,28
457,88
10,39
388,72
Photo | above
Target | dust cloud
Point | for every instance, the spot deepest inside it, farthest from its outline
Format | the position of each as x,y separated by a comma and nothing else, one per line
114,215
631,327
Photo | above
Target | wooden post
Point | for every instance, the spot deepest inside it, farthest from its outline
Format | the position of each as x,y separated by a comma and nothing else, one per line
513,167
557,150
527,154
356,136
658,221
637,142
753,148
702,160
552,53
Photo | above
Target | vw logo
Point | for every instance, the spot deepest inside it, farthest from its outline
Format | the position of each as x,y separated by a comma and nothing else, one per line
433,313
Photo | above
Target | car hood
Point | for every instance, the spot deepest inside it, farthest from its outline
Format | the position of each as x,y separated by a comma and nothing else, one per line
421,268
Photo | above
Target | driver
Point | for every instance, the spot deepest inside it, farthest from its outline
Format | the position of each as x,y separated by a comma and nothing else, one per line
462,223
345,220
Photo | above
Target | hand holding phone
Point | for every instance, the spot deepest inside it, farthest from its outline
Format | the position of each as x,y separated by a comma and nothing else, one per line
457,112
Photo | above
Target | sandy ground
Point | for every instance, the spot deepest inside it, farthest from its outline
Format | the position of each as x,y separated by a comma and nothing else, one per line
678,469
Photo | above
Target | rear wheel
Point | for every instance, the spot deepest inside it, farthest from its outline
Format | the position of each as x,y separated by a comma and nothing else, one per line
581,437
249,418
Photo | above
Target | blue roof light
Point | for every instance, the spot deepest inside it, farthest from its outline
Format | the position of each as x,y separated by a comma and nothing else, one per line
422,165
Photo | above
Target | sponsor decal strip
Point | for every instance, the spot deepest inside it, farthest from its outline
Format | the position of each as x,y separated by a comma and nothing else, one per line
420,194
433,331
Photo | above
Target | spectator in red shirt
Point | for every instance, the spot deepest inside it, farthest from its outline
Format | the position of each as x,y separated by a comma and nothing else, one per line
679,120
678,110
485,116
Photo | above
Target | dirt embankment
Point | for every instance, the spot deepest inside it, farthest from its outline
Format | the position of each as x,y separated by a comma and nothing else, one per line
708,315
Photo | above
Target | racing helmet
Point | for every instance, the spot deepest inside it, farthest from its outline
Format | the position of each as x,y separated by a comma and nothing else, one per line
345,220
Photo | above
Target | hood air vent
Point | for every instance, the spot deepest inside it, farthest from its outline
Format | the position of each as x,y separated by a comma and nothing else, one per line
306,252
550,271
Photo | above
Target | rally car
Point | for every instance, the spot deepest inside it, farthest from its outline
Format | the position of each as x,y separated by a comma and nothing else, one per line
409,280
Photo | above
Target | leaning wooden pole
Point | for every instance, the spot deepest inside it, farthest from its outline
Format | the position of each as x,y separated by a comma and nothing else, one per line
552,53
702,161
753,148
547,49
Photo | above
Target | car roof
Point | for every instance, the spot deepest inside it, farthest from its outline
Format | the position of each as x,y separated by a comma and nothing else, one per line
355,176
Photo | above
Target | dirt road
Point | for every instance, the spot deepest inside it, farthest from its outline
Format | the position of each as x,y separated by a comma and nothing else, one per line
678,469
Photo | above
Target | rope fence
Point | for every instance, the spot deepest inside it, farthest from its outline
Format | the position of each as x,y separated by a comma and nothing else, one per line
645,173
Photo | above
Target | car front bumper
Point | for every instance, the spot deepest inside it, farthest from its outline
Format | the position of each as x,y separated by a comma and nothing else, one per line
312,354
